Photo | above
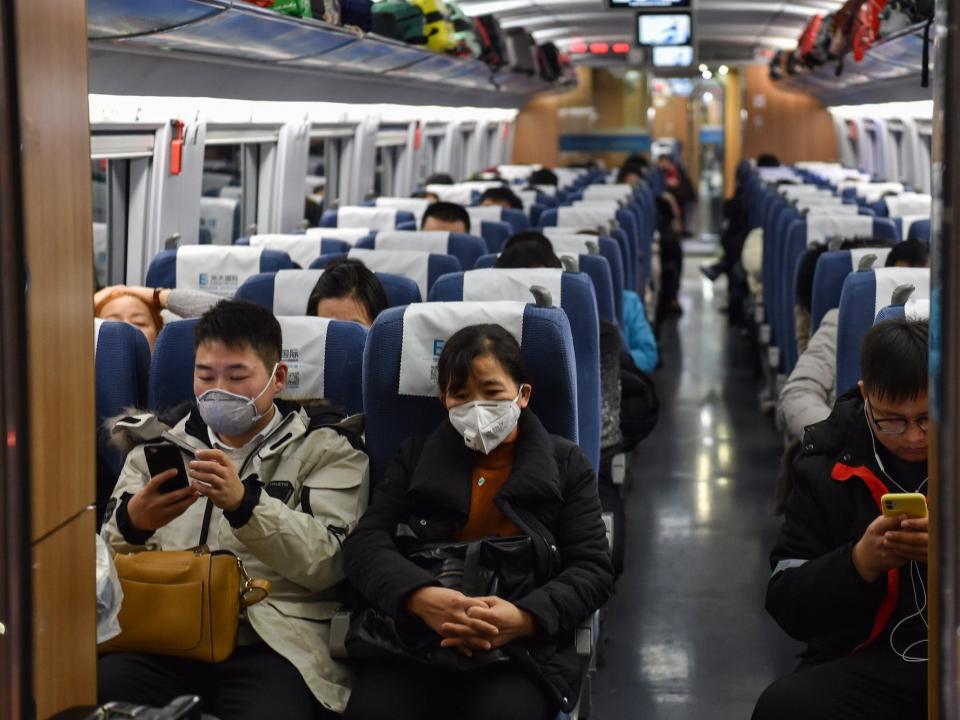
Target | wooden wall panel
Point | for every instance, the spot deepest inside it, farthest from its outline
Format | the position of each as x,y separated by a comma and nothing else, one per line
537,133
52,73
732,131
65,637
793,126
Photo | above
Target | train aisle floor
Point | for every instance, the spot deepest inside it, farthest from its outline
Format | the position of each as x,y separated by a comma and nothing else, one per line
687,634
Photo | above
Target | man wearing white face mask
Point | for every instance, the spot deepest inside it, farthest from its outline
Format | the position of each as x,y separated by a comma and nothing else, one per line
278,486
490,472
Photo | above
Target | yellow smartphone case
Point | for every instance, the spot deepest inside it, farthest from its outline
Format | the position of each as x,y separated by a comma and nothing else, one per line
913,505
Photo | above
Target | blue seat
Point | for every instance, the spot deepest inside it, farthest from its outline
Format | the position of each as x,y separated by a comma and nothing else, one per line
859,308
578,301
296,285
790,253
465,248
609,293
628,249
495,234
331,218
547,347
919,230
162,272
121,367
171,373
437,265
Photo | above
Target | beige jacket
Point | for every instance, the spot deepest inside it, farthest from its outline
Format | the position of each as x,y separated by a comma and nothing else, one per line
811,390
314,488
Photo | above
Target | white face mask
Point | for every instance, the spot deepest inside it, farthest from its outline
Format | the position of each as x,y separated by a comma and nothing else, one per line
230,414
484,424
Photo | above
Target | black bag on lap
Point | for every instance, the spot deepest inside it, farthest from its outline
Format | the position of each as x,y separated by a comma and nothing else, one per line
490,566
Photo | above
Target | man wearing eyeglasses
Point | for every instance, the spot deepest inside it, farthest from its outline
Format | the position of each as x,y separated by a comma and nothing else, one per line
846,580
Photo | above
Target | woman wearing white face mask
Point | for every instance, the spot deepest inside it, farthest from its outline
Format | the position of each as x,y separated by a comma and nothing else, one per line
490,471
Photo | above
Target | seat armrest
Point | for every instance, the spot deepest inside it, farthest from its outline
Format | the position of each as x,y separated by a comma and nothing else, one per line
339,625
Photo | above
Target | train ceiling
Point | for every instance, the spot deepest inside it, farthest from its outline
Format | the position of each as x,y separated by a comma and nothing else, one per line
724,30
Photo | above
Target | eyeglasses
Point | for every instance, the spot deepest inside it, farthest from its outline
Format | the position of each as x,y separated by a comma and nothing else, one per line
897,426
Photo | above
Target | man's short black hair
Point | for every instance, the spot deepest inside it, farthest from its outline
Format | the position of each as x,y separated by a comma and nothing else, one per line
913,253
439,179
447,212
768,160
529,236
528,254
346,277
544,176
240,324
502,194
894,360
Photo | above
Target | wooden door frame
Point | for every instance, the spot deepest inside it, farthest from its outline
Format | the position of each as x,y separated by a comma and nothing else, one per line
16,677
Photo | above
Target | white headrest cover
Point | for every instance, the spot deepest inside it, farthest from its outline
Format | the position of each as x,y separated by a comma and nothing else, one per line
347,235
584,217
511,284
490,213
909,204
452,193
412,264
217,215
417,206
820,227
97,325
216,269
291,291
428,326
422,241
302,249
889,279
375,218
604,192
304,352
917,309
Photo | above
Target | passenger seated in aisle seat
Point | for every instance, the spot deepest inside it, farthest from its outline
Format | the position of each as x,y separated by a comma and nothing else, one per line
441,488
126,305
284,491
544,176
848,581
348,290
446,217
501,196
810,392
615,378
631,174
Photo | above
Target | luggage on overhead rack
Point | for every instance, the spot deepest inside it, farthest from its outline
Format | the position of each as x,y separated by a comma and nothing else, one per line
819,52
521,51
297,8
493,50
399,20
437,26
464,32
551,68
328,11
356,13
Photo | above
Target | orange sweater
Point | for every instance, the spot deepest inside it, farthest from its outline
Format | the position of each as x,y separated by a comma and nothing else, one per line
489,474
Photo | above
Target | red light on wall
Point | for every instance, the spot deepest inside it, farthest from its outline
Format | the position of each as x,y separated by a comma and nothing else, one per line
578,48
621,48
599,48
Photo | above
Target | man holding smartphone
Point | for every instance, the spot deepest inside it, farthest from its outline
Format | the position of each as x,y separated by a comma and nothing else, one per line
278,486
847,580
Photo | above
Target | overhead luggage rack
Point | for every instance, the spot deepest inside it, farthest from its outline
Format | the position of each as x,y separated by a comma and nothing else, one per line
891,68
240,43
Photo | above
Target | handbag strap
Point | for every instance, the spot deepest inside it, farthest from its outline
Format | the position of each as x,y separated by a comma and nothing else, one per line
205,526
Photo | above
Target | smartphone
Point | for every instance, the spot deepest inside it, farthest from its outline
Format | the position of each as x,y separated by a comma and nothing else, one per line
161,458
913,505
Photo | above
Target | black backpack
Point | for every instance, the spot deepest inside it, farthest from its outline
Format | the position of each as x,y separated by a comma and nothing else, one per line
639,404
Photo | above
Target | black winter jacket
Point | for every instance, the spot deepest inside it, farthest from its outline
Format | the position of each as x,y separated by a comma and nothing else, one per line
551,495
816,593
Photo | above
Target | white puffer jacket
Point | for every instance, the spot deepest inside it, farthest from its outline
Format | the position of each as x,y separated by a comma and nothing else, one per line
811,390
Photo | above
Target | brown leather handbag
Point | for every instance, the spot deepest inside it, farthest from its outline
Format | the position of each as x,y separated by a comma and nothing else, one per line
184,604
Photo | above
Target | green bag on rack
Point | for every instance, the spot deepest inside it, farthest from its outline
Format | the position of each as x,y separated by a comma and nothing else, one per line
297,8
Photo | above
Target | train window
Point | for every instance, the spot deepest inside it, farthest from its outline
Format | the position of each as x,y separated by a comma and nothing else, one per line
433,138
118,163
391,145
328,146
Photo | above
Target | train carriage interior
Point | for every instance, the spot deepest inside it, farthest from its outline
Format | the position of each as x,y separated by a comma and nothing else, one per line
488,359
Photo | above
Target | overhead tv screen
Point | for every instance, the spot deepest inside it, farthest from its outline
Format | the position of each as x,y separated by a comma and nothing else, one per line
673,56
664,28
652,4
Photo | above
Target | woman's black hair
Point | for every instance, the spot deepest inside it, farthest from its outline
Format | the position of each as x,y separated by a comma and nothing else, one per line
544,176
502,194
447,212
528,236
459,352
349,278
914,253
894,360
528,254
